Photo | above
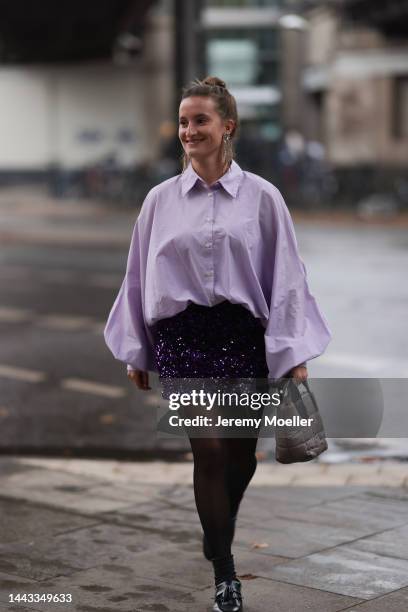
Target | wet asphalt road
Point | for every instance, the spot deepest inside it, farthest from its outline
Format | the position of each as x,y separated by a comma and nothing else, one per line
55,301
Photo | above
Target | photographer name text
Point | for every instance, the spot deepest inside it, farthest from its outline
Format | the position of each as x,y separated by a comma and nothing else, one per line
273,421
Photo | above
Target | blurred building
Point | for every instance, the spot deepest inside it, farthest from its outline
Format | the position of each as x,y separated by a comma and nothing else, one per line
355,92
242,46
321,87
83,84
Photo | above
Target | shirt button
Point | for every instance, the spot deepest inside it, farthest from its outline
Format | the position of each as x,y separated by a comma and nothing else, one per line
208,219
210,195
208,274
208,245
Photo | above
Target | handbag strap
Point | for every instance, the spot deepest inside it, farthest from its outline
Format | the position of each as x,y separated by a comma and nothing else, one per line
289,383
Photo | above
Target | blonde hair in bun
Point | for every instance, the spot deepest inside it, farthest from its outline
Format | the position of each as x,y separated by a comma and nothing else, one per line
226,107
214,82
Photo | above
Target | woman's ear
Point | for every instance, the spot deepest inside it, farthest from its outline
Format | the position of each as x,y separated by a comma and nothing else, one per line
230,126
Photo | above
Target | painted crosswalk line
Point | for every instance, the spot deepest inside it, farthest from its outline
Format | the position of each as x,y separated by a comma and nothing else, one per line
92,387
24,374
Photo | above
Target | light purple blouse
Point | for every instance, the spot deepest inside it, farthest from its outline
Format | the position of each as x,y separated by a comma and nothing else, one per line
233,240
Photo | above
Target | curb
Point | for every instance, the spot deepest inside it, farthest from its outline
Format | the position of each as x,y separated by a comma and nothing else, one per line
391,474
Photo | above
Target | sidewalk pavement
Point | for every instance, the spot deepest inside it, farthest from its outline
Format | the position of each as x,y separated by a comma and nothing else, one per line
126,536
34,217
30,215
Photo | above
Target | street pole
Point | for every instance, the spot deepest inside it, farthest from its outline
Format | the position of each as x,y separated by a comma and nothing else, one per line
189,43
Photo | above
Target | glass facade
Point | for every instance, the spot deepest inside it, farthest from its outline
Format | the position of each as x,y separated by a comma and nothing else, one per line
247,58
244,56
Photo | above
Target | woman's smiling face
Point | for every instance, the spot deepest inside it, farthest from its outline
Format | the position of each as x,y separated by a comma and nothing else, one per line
201,127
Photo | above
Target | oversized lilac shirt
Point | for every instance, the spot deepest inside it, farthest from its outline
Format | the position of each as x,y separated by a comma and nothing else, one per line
233,240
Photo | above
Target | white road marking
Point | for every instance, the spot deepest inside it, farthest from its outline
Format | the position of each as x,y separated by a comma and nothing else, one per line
63,322
156,401
52,321
11,315
94,388
22,374
98,328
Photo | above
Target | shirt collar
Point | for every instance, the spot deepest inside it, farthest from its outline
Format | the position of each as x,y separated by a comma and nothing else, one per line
230,180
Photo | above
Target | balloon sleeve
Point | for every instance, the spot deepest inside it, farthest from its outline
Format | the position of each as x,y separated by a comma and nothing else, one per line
296,330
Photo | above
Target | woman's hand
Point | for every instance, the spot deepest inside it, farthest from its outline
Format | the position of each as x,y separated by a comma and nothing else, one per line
140,378
299,373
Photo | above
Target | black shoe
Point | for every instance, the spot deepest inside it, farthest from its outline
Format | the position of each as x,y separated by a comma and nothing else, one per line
207,552
228,596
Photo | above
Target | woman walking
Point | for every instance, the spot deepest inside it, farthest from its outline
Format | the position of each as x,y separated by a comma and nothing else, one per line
215,288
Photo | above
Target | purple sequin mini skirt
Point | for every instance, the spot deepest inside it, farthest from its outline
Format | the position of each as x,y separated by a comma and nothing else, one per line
209,343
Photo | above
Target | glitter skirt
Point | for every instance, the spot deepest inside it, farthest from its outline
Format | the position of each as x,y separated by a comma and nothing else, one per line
210,344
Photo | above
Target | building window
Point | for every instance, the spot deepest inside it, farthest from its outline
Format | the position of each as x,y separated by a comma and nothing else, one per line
244,57
236,60
400,108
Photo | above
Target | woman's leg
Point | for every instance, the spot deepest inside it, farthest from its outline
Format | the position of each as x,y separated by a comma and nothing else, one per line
241,466
211,493
213,502
223,469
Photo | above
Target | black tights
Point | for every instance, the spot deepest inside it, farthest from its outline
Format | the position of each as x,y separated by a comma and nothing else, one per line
223,468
